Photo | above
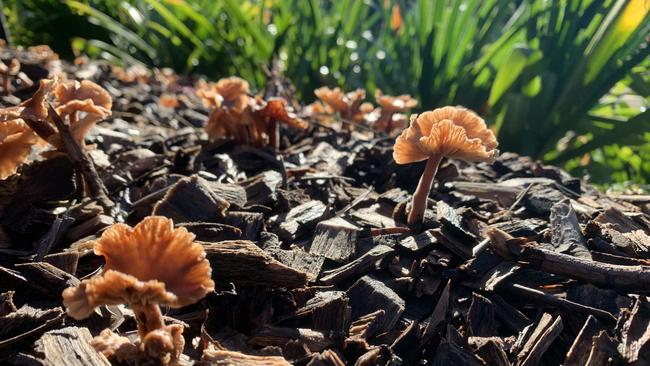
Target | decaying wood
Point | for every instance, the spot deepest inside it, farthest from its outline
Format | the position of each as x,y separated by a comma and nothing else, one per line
356,267
368,295
231,358
245,264
191,200
68,346
547,329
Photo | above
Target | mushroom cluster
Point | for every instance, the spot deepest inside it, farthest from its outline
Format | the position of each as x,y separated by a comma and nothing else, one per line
247,119
82,104
347,105
146,266
452,132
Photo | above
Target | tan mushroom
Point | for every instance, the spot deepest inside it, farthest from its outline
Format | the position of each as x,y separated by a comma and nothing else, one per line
346,104
74,97
231,115
392,109
16,141
453,132
169,101
133,73
8,72
272,111
149,265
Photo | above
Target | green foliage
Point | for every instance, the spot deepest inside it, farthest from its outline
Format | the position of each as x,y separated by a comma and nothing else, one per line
573,54
541,71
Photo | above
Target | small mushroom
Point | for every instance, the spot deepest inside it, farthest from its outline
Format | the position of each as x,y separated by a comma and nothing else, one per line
16,141
169,101
146,266
133,73
275,110
73,97
452,132
231,114
346,104
392,109
8,72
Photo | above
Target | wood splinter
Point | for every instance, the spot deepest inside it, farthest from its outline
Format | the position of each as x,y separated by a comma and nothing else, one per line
82,161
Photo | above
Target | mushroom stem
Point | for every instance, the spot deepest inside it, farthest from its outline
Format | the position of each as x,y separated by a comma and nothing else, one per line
419,199
148,318
274,133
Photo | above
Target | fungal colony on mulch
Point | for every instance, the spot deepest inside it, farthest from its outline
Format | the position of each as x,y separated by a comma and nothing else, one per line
152,219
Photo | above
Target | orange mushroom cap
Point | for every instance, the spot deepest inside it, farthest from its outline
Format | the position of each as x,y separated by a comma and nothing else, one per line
81,90
339,101
230,93
35,108
150,263
400,103
454,132
276,108
16,141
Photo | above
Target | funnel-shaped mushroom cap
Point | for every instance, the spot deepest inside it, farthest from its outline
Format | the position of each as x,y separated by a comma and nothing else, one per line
400,103
339,101
35,108
454,132
80,91
276,108
16,141
151,263
231,93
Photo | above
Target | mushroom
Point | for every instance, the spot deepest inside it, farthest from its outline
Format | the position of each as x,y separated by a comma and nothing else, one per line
7,72
453,132
231,116
346,104
16,141
392,109
146,266
133,73
169,101
73,97
275,110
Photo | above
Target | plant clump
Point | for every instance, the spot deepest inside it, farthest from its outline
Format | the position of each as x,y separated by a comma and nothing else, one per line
452,132
146,266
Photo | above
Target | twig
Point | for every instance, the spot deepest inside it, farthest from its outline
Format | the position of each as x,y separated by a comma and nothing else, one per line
634,278
543,297
84,164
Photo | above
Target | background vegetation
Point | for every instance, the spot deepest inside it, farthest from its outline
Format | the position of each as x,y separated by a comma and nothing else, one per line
567,81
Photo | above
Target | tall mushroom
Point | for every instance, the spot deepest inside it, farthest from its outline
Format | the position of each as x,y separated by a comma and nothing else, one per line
453,132
149,265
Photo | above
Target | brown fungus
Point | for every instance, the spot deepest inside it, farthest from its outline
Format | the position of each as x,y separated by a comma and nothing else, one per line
146,266
348,105
16,141
392,110
452,132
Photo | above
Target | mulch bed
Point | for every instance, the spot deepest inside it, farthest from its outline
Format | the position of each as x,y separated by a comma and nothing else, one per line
516,263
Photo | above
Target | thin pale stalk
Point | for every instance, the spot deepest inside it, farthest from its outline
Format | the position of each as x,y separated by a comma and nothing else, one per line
419,199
